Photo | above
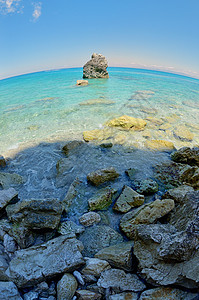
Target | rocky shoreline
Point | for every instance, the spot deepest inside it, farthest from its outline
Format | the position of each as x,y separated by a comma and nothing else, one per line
69,248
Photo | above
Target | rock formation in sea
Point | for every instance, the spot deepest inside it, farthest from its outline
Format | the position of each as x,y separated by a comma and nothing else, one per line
96,67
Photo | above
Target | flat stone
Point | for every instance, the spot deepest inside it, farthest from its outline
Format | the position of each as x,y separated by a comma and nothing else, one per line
167,293
8,180
87,295
82,82
103,175
159,145
128,199
96,67
95,266
147,214
98,237
186,155
118,256
66,287
6,196
9,291
39,263
71,145
102,199
124,296
90,218
127,122
115,278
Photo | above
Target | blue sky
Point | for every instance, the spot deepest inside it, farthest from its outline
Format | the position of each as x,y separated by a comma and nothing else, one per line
48,34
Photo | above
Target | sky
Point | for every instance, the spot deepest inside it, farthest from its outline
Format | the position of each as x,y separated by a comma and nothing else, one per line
52,34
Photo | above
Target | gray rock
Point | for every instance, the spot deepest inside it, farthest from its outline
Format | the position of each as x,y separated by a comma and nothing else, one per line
89,278
70,229
66,287
9,291
96,67
9,244
116,278
167,293
4,263
6,196
146,187
87,295
97,237
8,180
186,155
89,219
31,296
39,263
178,194
95,266
118,256
124,296
103,175
79,277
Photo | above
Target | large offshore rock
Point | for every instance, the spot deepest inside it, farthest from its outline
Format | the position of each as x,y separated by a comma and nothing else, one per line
95,266
128,199
118,256
164,256
96,67
8,180
115,278
101,199
36,213
186,155
39,263
66,287
167,293
103,175
97,237
6,196
127,122
9,291
146,214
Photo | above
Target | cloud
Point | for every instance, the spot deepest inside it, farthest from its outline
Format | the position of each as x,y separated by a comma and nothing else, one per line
10,6
37,11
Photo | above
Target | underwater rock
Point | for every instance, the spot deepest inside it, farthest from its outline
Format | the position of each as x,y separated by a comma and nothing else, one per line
6,196
167,293
8,180
186,155
71,145
119,139
82,82
103,175
87,295
128,199
146,187
66,287
155,121
99,101
127,122
90,218
159,145
118,256
146,214
182,133
96,67
102,199
95,266
97,134
38,263
9,291
2,162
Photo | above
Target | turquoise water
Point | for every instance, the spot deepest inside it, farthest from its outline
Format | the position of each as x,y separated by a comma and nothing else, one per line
45,106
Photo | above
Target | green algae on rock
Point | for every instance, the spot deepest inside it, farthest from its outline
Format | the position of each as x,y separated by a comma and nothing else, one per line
102,199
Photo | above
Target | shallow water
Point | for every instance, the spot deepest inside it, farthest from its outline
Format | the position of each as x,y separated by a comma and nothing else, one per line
45,106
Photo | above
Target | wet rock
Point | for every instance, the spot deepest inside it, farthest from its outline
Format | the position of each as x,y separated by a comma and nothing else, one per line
147,214
39,263
118,256
116,278
71,145
128,199
8,180
7,196
9,291
101,199
100,101
36,214
2,162
124,296
96,67
106,145
97,134
70,229
75,190
167,293
162,259
146,187
131,173
186,155
89,219
159,145
87,295
178,194
66,287
95,266
4,262
103,175
82,82
127,122
97,237
183,133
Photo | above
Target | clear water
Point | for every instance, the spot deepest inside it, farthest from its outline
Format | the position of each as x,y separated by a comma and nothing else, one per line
45,106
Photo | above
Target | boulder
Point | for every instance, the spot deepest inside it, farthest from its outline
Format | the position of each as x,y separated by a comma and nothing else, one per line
146,214
159,145
96,67
39,263
115,278
124,296
9,291
6,196
127,122
167,293
8,180
95,266
183,133
98,237
128,199
103,175
71,145
2,162
90,218
186,155
118,256
101,199
146,187
66,287
88,295
82,82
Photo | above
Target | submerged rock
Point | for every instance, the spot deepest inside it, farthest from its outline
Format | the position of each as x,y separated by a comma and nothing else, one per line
103,175
102,199
96,67
97,134
99,101
127,122
71,145
8,180
182,133
82,82
159,145
39,263
9,291
90,218
186,155
66,287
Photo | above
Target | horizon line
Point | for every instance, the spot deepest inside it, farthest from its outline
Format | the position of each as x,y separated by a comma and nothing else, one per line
167,71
